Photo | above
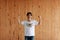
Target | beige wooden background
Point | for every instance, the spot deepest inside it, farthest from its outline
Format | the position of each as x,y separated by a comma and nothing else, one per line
11,9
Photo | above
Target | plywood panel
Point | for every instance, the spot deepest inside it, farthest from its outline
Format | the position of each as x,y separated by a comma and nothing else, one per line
11,9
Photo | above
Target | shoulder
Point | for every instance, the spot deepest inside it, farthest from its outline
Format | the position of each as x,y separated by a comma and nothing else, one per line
24,21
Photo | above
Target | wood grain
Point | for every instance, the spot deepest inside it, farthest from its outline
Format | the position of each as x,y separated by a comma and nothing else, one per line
11,9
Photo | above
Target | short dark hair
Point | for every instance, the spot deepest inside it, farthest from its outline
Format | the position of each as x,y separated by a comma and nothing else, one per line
29,13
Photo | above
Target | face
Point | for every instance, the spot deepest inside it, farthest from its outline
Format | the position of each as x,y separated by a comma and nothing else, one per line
29,16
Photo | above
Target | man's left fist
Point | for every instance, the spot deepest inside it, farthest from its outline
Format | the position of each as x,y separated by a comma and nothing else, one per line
39,16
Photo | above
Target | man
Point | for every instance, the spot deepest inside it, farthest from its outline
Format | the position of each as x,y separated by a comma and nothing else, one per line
29,26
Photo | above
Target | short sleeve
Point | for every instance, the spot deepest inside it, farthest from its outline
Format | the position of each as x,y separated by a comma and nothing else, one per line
35,22
22,22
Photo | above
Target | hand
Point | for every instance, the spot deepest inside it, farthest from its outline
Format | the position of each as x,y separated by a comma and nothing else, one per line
18,17
39,16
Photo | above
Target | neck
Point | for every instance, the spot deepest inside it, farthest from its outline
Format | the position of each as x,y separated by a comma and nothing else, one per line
29,19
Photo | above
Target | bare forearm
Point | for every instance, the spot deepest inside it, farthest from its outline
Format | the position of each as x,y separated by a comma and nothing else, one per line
19,19
39,20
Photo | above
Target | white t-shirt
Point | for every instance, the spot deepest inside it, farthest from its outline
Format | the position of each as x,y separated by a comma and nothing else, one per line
29,27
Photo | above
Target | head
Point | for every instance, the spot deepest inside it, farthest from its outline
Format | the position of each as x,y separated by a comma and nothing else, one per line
29,15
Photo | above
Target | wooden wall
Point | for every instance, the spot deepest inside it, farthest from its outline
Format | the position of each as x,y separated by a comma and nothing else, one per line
11,9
